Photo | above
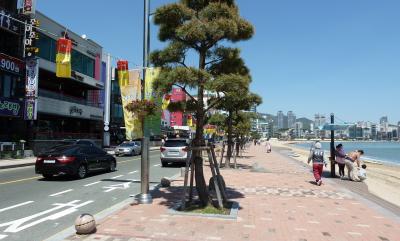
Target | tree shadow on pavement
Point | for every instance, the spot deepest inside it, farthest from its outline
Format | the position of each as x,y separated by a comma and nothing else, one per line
172,196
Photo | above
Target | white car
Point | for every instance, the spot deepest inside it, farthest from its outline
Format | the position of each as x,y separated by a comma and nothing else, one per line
130,148
174,151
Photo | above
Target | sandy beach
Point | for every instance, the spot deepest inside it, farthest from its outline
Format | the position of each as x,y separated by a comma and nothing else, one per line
383,180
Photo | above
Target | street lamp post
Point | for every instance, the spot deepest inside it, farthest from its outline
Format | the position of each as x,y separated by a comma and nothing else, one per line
145,196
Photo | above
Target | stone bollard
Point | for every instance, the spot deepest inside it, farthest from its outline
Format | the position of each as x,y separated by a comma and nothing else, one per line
165,182
85,224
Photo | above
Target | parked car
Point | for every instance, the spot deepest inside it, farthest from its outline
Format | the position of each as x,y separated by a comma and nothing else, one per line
174,151
129,148
74,160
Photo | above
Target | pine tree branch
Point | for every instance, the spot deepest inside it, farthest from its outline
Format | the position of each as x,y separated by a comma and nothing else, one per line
214,61
213,104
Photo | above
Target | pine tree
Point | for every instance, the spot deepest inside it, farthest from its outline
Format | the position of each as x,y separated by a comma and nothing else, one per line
200,30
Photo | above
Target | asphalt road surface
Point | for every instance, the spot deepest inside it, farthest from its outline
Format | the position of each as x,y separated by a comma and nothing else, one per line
33,209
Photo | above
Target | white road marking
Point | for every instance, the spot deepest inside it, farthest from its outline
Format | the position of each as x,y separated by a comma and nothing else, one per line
59,193
122,186
3,236
90,184
133,172
18,225
117,176
157,165
15,206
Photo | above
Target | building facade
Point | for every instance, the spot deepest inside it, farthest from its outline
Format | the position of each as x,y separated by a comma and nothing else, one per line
280,120
12,73
291,119
177,117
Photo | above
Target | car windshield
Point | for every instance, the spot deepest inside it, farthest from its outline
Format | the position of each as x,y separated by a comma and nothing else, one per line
175,143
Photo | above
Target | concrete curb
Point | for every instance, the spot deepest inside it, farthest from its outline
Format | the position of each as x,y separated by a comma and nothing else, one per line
33,163
100,216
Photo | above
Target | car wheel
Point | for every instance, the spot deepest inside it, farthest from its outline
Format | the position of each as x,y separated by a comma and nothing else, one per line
164,164
112,166
133,153
82,171
47,176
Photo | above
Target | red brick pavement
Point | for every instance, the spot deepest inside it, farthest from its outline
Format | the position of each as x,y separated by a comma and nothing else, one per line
277,202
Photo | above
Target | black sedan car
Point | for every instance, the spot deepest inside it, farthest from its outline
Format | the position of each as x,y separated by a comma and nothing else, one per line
74,160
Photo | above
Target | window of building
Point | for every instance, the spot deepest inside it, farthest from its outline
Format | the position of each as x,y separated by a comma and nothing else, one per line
11,86
82,63
47,47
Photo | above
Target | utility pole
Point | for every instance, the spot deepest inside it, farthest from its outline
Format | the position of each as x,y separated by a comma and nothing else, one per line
332,158
107,103
145,196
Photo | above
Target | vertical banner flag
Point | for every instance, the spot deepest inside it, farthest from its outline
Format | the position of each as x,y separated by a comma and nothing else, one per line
63,58
129,83
152,123
31,88
165,102
189,121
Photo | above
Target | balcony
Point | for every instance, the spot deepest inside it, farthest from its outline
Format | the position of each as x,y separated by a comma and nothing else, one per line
67,98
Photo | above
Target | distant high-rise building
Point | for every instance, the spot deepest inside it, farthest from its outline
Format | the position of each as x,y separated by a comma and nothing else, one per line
319,120
253,109
291,119
384,119
280,118
298,128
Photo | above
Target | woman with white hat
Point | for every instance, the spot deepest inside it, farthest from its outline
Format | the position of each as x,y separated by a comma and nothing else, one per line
317,156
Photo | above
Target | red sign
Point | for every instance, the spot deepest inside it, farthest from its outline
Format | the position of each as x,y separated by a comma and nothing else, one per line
11,64
122,65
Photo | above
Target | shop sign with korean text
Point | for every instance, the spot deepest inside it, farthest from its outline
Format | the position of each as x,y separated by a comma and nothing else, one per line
11,64
30,111
30,38
8,23
10,107
32,77
29,7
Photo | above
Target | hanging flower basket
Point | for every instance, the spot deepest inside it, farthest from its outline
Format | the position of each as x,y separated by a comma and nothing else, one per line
142,108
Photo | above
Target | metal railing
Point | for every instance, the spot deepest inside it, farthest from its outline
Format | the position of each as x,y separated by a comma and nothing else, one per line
67,98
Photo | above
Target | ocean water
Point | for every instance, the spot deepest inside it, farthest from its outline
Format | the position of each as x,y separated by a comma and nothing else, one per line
386,152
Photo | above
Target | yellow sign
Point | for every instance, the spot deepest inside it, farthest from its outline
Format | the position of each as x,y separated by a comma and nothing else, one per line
130,90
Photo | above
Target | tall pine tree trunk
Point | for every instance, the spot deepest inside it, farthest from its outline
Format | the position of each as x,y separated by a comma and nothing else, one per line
201,185
230,130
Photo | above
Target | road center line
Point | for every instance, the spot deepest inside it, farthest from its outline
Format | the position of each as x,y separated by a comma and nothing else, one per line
3,236
21,180
117,176
15,206
156,165
133,172
59,193
90,184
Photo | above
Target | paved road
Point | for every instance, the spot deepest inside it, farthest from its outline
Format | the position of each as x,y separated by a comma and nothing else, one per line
34,209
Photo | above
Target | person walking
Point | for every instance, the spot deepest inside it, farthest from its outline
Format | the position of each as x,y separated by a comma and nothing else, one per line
340,159
268,146
317,157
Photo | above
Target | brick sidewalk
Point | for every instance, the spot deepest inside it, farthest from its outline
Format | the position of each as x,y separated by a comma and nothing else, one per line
277,201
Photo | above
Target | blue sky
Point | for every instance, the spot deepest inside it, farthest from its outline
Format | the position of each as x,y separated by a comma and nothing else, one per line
309,56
